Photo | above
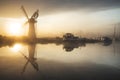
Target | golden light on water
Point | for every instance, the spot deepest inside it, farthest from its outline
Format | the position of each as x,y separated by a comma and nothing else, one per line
16,47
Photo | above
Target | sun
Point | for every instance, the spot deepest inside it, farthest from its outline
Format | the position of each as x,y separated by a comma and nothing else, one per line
14,28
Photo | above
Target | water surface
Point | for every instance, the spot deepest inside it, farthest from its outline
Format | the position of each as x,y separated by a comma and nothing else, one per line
60,62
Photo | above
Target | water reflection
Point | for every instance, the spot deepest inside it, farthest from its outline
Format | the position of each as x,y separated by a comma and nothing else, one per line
31,58
52,63
68,46
107,43
16,47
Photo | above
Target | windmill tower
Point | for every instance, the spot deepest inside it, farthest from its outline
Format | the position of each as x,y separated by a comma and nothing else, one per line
32,20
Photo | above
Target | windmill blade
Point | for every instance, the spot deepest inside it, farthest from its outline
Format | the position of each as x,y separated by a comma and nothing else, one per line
24,68
25,23
35,15
33,63
24,11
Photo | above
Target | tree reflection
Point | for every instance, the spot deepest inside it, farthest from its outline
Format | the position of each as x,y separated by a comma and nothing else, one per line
69,46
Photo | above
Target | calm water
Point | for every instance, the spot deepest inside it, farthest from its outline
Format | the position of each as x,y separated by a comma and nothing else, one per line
60,62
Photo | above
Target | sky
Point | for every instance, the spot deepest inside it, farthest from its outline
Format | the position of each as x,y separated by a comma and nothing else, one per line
56,17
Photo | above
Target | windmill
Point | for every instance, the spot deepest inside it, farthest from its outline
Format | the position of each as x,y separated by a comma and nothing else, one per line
31,21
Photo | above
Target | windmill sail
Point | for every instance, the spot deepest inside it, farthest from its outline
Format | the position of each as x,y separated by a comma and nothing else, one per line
35,15
22,7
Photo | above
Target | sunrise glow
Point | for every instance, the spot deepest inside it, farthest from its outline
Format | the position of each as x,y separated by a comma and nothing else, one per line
14,28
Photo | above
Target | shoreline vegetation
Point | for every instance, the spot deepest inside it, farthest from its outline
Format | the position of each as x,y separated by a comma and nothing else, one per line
68,37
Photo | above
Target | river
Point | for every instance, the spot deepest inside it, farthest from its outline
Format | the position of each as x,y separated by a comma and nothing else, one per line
95,61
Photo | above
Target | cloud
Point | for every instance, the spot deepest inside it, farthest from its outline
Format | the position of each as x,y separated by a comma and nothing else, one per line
76,4
53,6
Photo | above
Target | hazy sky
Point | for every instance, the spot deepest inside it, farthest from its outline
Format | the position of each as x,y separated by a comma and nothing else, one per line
60,16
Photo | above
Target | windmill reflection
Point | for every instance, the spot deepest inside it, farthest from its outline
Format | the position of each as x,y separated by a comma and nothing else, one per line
31,58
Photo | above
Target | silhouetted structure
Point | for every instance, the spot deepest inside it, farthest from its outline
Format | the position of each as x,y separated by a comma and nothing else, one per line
31,21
